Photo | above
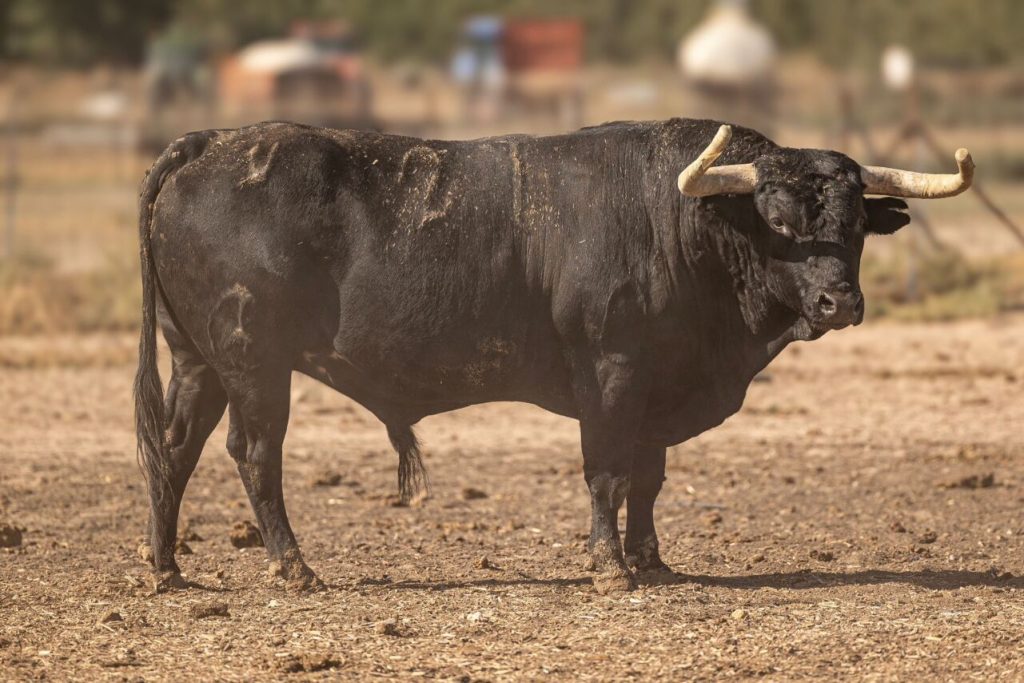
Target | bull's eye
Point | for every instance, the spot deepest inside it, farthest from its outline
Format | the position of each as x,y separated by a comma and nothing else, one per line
779,226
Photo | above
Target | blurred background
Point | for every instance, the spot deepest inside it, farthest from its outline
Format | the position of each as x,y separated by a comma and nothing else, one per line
90,92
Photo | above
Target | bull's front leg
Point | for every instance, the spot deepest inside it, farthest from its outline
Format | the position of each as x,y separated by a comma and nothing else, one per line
646,478
608,488
608,430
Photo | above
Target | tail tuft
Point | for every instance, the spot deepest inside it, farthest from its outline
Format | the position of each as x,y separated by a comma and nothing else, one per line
412,476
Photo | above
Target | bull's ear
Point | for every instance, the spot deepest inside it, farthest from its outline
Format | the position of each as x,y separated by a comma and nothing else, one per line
886,215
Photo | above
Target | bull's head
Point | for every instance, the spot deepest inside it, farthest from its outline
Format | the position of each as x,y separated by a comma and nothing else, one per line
812,207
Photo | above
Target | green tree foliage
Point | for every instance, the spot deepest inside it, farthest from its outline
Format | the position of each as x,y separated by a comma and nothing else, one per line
948,32
942,32
75,32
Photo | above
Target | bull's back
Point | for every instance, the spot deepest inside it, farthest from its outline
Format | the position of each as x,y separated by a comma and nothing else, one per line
391,264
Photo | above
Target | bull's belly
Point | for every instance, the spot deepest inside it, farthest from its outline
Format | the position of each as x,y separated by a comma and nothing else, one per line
408,389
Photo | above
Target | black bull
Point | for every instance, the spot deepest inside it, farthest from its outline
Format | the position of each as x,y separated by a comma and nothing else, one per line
418,277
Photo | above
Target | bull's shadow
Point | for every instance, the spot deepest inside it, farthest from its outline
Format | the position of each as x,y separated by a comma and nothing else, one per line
801,580
798,580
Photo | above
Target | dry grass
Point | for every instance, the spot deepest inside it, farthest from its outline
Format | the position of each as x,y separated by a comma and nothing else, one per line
942,286
38,298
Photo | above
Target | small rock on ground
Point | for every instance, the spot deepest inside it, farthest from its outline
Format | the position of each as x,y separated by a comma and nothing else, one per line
308,663
974,481
10,535
388,627
470,493
212,609
246,535
328,479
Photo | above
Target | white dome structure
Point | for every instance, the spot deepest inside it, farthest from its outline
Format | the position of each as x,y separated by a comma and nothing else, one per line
728,48
276,56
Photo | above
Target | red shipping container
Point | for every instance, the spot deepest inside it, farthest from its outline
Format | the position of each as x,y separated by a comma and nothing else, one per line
542,45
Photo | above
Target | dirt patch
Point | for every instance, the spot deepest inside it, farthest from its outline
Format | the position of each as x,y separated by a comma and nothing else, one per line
832,529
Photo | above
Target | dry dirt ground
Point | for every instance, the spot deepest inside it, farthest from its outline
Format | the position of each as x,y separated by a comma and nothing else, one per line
861,517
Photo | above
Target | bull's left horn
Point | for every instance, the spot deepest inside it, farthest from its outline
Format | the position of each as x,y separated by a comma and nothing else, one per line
700,180
899,183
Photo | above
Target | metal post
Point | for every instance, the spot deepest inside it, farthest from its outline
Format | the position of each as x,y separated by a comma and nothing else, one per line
11,180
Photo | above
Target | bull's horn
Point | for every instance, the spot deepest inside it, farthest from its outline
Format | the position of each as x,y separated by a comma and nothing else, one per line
899,183
700,180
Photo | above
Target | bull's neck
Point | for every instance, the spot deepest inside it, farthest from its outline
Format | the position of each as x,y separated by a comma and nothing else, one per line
722,284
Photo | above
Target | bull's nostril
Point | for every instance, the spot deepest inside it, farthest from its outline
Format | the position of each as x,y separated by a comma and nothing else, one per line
826,304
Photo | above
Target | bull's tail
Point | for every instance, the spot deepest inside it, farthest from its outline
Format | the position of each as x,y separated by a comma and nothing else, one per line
148,389
412,476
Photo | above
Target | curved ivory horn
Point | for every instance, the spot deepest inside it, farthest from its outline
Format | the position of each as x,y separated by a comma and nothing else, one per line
899,183
700,180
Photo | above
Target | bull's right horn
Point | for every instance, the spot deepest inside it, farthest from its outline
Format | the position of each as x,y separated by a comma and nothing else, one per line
700,180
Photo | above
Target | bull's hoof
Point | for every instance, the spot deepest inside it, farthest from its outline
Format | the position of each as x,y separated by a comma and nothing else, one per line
307,583
168,581
643,555
617,581
297,576
650,569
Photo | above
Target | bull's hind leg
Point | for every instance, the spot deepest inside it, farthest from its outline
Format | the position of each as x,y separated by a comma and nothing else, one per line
193,406
259,418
